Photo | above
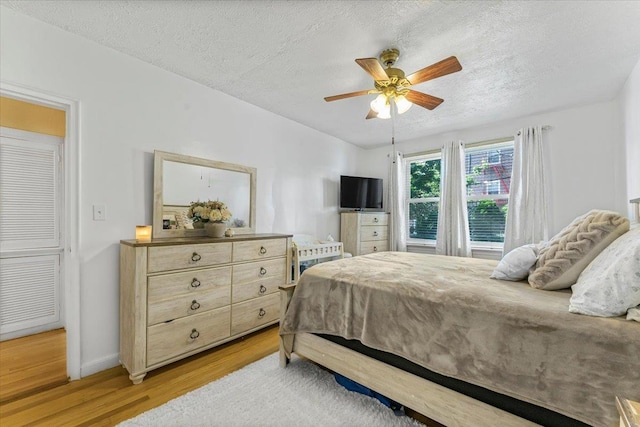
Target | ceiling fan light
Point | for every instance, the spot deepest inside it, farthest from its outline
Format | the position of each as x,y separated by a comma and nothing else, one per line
379,104
385,114
403,104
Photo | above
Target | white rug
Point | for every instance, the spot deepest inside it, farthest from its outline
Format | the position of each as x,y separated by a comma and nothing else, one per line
263,394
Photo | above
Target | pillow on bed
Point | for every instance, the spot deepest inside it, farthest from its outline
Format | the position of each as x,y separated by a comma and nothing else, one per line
610,285
563,258
516,264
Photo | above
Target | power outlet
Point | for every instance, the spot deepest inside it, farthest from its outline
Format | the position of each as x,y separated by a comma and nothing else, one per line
99,212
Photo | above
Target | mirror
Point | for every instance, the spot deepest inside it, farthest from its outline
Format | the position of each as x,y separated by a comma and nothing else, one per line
179,180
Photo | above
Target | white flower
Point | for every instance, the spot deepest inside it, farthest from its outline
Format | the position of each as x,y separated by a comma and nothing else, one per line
215,215
214,211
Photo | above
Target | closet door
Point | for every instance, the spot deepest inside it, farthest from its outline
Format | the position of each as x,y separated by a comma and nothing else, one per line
30,231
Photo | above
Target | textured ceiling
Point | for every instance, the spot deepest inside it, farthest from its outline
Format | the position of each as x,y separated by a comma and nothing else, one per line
518,57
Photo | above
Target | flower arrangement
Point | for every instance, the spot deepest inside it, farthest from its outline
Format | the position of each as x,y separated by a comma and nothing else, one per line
209,211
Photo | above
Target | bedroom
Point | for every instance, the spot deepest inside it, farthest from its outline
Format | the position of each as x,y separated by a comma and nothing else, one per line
130,108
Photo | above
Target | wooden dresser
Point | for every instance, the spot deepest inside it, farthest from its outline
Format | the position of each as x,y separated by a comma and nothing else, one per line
180,296
364,232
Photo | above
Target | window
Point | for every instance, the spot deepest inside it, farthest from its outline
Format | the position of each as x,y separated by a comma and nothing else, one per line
492,187
488,184
493,157
488,170
423,185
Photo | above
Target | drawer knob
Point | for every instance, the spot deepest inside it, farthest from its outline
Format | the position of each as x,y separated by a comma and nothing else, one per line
195,305
195,257
263,250
375,233
263,271
375,219
261,313
375,249
262,289
194,334
195,283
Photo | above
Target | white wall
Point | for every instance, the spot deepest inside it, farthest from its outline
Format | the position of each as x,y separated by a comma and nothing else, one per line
629,100
128,109
584,149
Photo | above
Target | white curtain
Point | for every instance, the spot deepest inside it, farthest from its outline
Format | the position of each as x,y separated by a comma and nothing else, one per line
396,203
527,213
453,224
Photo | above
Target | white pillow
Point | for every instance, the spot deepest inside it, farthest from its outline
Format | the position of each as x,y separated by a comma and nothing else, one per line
610,285
634,314
516,264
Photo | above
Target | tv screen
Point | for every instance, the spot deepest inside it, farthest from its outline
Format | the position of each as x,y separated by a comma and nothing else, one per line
360,193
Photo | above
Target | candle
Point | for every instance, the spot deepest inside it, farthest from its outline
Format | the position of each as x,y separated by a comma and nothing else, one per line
143,233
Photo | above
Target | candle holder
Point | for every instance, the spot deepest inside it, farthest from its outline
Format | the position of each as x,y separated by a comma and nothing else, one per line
143,233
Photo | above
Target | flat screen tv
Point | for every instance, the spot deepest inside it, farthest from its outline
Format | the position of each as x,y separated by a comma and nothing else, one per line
358,193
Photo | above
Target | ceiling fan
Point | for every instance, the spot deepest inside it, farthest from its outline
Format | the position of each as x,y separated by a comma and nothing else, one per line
392,85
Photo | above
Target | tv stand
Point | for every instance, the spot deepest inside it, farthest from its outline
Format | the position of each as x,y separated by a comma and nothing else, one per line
364,232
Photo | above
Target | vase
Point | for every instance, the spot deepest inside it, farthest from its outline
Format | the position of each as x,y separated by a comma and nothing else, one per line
215,229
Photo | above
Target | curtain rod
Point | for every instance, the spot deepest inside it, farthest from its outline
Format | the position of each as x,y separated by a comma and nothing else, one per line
472,145
489,141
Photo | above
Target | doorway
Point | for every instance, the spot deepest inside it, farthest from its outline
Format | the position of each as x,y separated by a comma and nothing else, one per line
47,124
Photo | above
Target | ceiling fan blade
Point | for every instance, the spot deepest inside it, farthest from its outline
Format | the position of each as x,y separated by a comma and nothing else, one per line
439,69
372,115
373,67
422,99
346,95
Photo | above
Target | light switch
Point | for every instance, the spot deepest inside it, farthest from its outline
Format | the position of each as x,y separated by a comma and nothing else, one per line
99,212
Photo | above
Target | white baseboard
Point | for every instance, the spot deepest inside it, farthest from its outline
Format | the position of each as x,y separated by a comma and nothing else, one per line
99,365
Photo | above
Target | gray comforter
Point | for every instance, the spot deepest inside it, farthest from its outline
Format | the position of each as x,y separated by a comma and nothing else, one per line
444,313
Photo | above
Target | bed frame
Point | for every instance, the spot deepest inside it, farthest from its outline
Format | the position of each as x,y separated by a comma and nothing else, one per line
432,400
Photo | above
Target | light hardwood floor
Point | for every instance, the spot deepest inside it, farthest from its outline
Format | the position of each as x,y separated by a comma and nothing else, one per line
109,397
33,363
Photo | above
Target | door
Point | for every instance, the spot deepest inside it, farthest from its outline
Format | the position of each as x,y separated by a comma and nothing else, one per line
31,234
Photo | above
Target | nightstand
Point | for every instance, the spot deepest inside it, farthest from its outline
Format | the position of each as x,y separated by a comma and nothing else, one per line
629,412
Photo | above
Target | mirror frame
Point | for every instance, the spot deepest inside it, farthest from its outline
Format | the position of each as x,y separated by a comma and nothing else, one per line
158,200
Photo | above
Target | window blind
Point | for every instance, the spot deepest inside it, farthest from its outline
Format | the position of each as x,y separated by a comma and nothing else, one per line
29,194
29,292
423,196
488,171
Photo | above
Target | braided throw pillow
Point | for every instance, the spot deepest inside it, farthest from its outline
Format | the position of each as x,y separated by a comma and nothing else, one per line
563,258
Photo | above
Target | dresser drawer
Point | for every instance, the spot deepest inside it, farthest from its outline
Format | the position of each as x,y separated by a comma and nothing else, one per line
374,246
374,219
258,249
170,285
373,232
167,258
257,279
188,305
167,340
253,313
250,272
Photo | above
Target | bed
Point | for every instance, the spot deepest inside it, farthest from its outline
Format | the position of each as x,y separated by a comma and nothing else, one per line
407,325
